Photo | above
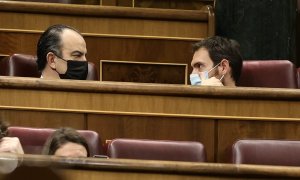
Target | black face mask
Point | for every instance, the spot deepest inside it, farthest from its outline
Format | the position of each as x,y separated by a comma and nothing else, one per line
75,70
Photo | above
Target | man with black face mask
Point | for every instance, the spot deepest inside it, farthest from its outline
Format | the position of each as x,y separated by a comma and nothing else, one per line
61,52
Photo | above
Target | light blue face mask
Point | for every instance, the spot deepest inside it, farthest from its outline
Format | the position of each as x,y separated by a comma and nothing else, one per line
196,79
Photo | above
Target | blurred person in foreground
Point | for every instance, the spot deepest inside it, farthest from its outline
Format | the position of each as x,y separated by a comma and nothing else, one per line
66,142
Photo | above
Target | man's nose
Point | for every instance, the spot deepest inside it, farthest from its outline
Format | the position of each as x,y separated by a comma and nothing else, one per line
195,71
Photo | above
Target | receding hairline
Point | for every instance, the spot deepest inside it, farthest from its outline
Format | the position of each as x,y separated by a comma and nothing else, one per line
68,34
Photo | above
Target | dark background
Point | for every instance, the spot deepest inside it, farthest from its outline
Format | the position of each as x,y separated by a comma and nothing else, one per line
265,29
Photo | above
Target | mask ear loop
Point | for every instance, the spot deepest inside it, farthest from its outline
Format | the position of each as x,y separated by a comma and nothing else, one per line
214,67
222,77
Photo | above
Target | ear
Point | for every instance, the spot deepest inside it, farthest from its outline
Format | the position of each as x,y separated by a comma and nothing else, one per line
51,60
224,67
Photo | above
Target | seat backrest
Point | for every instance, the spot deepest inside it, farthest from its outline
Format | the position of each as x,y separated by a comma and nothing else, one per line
271,73
19,65
157,150
92,72
23,65
266,152
33,139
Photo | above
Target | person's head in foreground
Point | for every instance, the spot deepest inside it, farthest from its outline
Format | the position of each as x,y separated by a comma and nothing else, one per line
217,61
9,144
61,52
66,142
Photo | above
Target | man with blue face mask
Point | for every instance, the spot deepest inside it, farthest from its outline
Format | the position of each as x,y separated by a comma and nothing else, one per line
61,52
216,61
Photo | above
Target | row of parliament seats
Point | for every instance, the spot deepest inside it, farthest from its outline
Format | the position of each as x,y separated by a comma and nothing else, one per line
263,152
33,139
23,65
271,73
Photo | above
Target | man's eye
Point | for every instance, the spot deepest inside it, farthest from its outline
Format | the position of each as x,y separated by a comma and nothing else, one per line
200,66
77,55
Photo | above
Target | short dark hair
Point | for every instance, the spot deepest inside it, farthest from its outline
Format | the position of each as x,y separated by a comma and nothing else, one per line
61,137
50,41
222,48
3,128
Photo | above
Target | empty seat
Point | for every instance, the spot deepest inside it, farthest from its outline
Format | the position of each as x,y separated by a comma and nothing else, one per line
19,65
266,152
157,150
33,139
23,65
271,73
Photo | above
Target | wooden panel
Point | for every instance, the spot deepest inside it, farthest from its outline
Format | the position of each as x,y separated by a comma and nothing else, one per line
106,20
171,100
148,104
43,119
106,25
138,110
90,2
174,4
97,11
95,175
108,47
230,131
168,4
18,42
73,174
144,72
126,3
162,128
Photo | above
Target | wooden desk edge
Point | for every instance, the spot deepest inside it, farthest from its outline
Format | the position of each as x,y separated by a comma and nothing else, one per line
161,167
148,89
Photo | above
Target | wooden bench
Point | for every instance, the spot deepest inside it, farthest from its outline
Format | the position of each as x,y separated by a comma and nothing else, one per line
214,116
